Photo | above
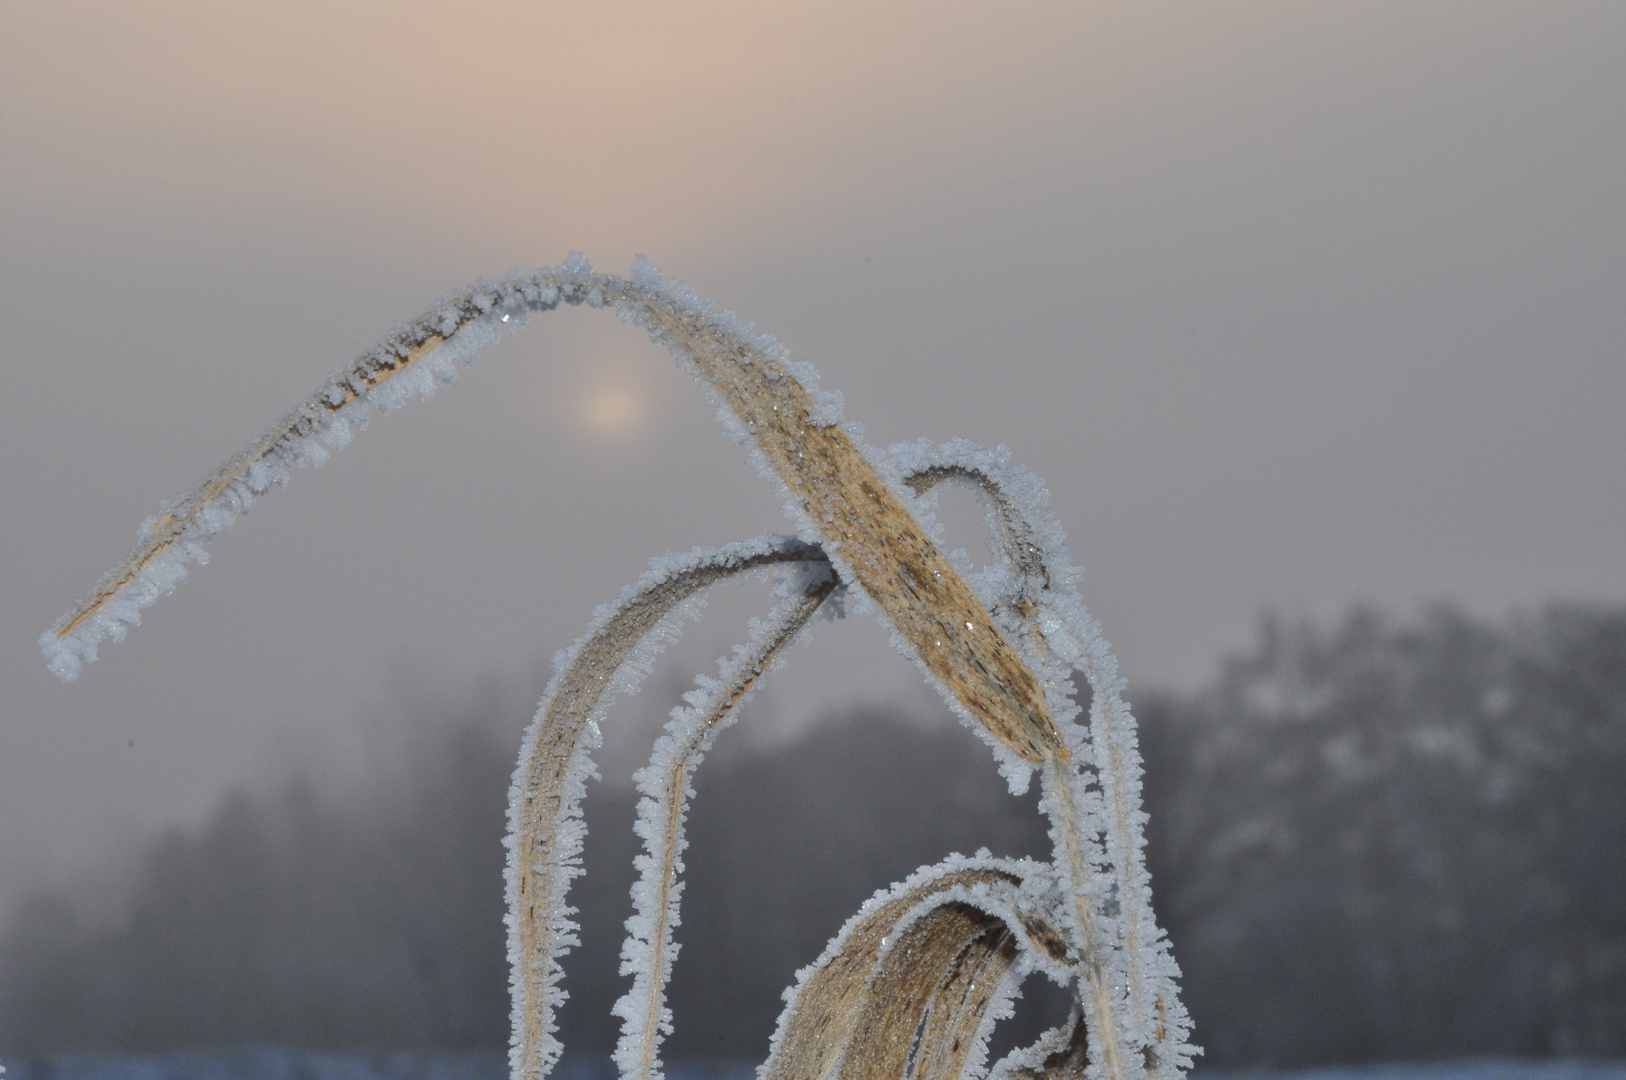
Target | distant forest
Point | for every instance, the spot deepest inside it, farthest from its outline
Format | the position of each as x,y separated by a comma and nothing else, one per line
1369,842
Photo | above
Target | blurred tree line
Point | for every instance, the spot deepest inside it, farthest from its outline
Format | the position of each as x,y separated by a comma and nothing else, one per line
1369,842
1400,842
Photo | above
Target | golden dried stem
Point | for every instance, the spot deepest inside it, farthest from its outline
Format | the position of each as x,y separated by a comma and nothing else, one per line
923,1008
539,807
1060,1054
1013,533
821,1020
872,540
678,775
1027,565
1103,1028
864,525
170,526
904,991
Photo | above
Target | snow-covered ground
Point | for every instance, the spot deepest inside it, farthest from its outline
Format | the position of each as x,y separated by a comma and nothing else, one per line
273,1063
1489,1068
277,1063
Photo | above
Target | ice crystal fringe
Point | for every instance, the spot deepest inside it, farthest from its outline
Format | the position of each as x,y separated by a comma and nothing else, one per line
1002,646
665,788
1062,1053
1098,836
545,828
938,957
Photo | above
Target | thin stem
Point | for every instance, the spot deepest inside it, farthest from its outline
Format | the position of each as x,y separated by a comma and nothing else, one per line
666,787
544,818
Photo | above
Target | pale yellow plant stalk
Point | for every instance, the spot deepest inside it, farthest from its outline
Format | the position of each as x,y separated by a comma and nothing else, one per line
875,1007
907,988
544,826
666,784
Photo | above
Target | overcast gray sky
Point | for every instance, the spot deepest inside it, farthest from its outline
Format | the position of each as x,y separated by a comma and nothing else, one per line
1290,304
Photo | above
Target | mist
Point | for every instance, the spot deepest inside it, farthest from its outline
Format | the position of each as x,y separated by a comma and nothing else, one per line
1288,304
1369,839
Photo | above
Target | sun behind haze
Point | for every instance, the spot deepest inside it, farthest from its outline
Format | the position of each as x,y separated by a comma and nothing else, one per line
1296,305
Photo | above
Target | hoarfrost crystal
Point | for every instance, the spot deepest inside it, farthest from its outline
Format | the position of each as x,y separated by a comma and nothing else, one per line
1002,647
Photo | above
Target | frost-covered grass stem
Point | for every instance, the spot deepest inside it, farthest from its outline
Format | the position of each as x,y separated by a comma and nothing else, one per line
914,983
665,786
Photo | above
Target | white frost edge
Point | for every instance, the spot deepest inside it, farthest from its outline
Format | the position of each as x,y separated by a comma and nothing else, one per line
1031,1058
566,865
1140,966
469,321
826,411
1072,635
686,739
1037,889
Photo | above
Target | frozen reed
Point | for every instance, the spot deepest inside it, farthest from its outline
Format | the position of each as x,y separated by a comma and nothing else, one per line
913,985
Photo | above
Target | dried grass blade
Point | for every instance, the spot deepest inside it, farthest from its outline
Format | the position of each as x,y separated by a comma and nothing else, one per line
871,538
959,1002
904,988
1061,1053
1014,532
863,524
1145,1013
544,823
415,358
819,1020
665,786
914,980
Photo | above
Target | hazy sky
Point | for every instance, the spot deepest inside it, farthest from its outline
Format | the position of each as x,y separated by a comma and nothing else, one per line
1290,304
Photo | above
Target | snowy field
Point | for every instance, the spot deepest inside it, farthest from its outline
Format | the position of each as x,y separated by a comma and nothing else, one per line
271,1063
